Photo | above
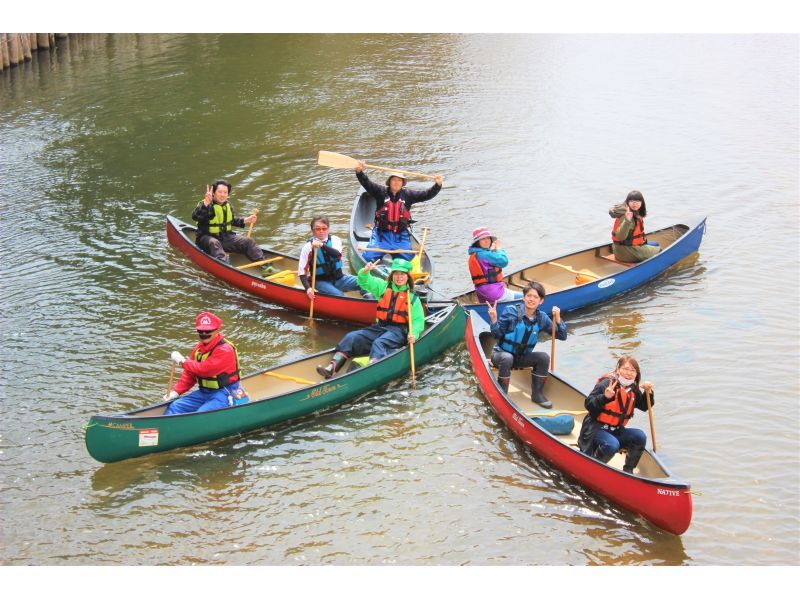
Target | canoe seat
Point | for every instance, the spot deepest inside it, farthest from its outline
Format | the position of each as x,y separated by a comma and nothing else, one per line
611,258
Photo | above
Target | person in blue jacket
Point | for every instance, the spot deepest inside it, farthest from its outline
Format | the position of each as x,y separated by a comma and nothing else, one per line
516,333
393,216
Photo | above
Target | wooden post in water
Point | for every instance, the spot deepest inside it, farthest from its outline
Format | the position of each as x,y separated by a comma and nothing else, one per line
32,41
43,41
25,40
13,48
4,60
52,39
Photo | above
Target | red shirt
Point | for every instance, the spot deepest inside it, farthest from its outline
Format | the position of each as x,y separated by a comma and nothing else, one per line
222,360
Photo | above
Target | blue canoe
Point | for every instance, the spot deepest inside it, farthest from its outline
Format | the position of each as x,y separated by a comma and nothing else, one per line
592,275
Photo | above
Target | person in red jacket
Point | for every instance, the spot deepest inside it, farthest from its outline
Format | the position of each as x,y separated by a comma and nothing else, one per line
214,366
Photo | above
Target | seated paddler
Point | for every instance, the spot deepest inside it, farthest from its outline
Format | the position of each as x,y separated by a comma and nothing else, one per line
610,407
393,216
486,261
516,333
213,365
215,221
391,330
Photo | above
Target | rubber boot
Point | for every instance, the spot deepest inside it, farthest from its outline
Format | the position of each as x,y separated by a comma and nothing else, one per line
333,366
537,396
504,383
632,458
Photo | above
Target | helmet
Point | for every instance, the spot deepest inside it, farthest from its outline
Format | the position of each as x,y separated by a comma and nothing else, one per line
401,265
398,175
208,321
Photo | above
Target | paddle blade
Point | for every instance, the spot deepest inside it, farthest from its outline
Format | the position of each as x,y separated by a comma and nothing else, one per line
334,160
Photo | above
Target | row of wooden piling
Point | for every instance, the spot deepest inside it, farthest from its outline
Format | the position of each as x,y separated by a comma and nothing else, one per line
16,48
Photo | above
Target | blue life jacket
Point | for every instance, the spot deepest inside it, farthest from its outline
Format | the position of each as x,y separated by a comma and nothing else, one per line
522,339
326,266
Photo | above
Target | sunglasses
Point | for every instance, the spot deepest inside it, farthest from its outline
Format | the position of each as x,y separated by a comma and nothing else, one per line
205,333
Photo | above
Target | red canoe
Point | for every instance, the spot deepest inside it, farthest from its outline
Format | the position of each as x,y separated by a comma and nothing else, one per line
351,308
652,491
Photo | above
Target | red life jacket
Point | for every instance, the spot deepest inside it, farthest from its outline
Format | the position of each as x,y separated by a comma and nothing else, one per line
393,307
635,237
393,216
479,276
619,410
222,379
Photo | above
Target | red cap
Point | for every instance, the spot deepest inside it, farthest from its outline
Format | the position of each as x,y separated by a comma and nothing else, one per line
208,321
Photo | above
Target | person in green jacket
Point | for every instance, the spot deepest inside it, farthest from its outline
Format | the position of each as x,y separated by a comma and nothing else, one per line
391,329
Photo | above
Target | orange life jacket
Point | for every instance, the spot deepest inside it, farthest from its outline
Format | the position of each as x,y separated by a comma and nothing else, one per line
619,410
479,276
393,307
393,216
635,237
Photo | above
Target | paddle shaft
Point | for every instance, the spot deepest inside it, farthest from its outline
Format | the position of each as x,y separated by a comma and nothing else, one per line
250,228
379,250
334,160
171,377
553,347
650,413
261,263
574,271
291,378
411,345
313,282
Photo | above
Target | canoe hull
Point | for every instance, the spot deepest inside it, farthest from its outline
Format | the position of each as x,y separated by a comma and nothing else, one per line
667,503
112,438
342,308
606,287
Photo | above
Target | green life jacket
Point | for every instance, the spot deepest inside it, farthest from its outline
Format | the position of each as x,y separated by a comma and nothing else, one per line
220,380
222,222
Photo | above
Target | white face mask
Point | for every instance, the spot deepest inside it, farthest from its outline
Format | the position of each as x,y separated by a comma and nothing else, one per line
625,381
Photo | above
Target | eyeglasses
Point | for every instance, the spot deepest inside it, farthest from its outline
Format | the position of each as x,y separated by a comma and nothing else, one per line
320,228
627,368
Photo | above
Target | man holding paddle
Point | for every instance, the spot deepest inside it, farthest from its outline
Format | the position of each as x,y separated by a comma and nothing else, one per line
393,216
327,250
215,221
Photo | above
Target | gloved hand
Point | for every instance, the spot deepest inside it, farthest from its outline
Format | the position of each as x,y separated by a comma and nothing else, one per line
177,357
171,396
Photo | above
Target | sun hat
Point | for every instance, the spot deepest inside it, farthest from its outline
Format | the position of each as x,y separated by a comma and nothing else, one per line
398,175
481,233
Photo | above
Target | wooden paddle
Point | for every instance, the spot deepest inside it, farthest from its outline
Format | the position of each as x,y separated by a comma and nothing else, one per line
261,263
379,250
411,345
313,282
554,413
553,346
250,229
171,376
588,273
650,413
334,160
291,378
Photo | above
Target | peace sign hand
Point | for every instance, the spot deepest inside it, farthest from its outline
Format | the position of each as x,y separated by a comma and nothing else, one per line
492,309
611,389
371,265
208,197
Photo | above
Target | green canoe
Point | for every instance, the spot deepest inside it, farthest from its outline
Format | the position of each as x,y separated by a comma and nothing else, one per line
277,394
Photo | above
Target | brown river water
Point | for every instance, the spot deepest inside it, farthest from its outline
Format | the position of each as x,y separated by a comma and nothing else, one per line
536,136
